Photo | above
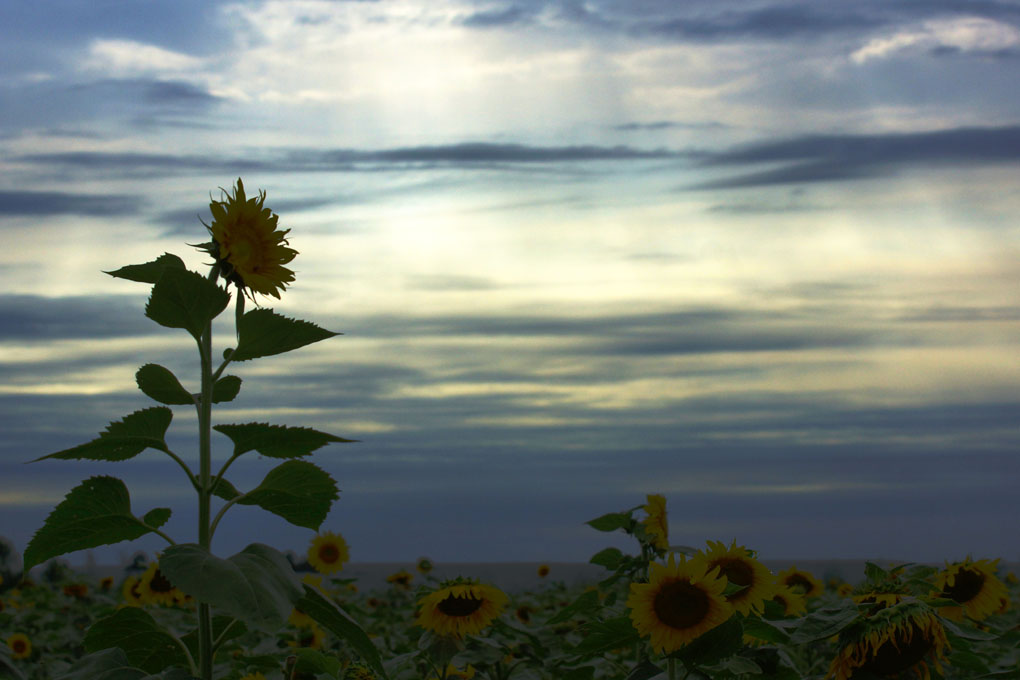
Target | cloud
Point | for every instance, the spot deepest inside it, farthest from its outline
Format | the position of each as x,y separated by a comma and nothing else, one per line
123,58
769,22
668,125
508,16
43,203
955,35
824,158
37,318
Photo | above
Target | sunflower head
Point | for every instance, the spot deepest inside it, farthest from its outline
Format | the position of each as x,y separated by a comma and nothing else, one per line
655,524
424,565
790,600
154,588
311,637
328,552
740,568
130,592
801,581
401,579
20,646
461,607
680,602
543,570
899,640
974,585
879,594
249,249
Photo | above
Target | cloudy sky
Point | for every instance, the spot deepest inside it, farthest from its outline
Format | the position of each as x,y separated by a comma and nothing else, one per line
759,257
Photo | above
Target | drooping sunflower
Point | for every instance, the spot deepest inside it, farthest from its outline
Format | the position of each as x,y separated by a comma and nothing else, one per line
974,585
739,566
680,602
801,581
900,641
20,646
328,553
880,595
655,523
461,607
249,249
154,588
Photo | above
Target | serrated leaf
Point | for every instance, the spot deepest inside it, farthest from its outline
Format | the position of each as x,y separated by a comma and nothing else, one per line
225,490
263,333
765,630
108,664
603,636
257,585
300,492
225,389
824,623
315,662
611,521
185,299
158,383
94,513
336,620
125,438
147,645
157,517
150,271
609,558
276,441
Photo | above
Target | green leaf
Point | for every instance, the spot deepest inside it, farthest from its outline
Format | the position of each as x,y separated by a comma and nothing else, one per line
710,647
609,558
157,517
96,512
225,490
109,664
300,492
8,670
123,439
824,623
225,389
315,662
263,333
874,573
611,521
336,620
150,271
147,645
765,630
185,299
585,603
160,384
276,441
603,636
967,632
257,585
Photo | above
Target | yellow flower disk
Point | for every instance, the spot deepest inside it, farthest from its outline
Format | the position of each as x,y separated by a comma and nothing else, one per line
20,646
740,568
803,582
154,588
328,553
460,609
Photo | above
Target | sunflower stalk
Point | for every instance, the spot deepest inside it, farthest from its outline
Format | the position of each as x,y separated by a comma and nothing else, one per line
205,647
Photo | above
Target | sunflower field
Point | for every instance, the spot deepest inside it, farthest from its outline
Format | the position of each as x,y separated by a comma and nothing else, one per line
665,612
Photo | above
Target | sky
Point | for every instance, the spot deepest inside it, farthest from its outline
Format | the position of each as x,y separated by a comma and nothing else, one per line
760,257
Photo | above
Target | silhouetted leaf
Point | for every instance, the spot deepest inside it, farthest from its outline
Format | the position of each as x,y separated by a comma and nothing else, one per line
263,332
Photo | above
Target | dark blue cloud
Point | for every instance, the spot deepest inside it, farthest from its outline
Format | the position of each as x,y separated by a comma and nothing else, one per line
507,16
771,22
43,203
33,317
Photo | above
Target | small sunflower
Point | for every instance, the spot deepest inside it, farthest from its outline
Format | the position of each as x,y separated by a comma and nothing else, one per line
974,585
680,602
154,588
790,600
460,608
896,641
523,613
299,619
402,579
424,565
311,637
655,524
454,673
328,553
20,646
106,584
131,593
801,581
739,566
543,570
247,245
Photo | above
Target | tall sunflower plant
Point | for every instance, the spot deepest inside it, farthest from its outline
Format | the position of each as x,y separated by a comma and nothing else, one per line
255,589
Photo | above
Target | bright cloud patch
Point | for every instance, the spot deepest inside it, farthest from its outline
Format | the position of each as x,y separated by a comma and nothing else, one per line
968,34
130,58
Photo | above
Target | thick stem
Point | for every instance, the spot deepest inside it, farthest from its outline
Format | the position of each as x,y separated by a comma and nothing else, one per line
205,648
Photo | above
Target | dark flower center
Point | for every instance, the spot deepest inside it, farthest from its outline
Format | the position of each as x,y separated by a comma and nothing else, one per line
799,582
459,606
681,605
891,658
966,586
19,646
329,553
159,584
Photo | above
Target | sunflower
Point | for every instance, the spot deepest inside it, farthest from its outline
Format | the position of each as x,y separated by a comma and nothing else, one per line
655,524
974,585
154,588
543,570
248,248
454,673
460,608
790,600
801,581
359,671
106,584
132,595
523,613
898,640
679,602
328,553
20,646
424,565
311,637
739,566
401,579
881,595
299,619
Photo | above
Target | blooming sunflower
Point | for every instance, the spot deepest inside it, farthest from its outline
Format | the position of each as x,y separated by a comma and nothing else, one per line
132,595
401,579
20,646
311,637
790,600
328,553
739,566
106,584
801,581
424,565
543,570
460,608
974,585
680,602
655,524
898,640
154,588
249,249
